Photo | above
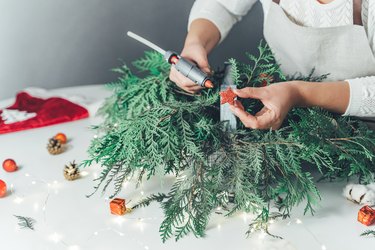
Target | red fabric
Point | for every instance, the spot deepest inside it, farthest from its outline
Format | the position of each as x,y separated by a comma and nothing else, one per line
48,112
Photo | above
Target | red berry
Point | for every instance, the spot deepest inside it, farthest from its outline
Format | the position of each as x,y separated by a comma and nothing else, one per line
3,188
61,137
265,79
10,165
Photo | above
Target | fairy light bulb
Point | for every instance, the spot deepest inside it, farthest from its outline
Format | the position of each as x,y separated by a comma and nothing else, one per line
74,247
140,224
18,200
84,173
119,220
55,237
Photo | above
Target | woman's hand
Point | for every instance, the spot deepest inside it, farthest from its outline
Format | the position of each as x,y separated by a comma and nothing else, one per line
201,39
277,99
196,53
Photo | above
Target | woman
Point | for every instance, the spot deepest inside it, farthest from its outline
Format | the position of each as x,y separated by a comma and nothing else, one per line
332,36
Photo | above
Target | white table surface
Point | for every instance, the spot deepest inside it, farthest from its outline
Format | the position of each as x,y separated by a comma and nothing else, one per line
72,221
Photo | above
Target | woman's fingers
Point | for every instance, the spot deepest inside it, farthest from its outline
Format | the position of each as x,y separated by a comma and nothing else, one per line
238,104
264,119
257,93
184,82
247,119
181,80
194,89
277,100
195,52
262,111
201,60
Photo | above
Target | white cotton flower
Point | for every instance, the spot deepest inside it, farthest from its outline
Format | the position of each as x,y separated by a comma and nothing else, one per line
358,192
347,191
369,198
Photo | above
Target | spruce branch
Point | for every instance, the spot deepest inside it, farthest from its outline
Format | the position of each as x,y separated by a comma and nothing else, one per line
25,222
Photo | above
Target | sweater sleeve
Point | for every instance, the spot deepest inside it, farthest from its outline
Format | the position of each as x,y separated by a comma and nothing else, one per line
362,97
362,90
222,13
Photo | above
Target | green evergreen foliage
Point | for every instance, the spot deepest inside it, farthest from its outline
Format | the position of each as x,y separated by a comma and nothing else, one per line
152,128
368,233
25,222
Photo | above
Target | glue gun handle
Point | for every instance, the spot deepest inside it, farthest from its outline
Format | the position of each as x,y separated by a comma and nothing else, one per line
189,70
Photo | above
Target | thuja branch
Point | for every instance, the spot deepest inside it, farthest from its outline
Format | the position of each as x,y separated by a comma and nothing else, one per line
162,130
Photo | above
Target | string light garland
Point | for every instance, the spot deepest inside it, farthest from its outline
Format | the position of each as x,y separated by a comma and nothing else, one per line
59,238
52,187
119,221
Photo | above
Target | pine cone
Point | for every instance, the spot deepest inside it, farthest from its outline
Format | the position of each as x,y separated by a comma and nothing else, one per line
54,147
71,171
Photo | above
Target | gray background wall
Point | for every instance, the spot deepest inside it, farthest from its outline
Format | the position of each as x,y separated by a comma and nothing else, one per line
60,43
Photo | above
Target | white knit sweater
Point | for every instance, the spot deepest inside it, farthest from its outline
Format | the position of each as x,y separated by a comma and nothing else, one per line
225,13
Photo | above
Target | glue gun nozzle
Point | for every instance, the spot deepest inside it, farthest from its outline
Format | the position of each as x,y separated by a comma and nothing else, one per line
209,84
